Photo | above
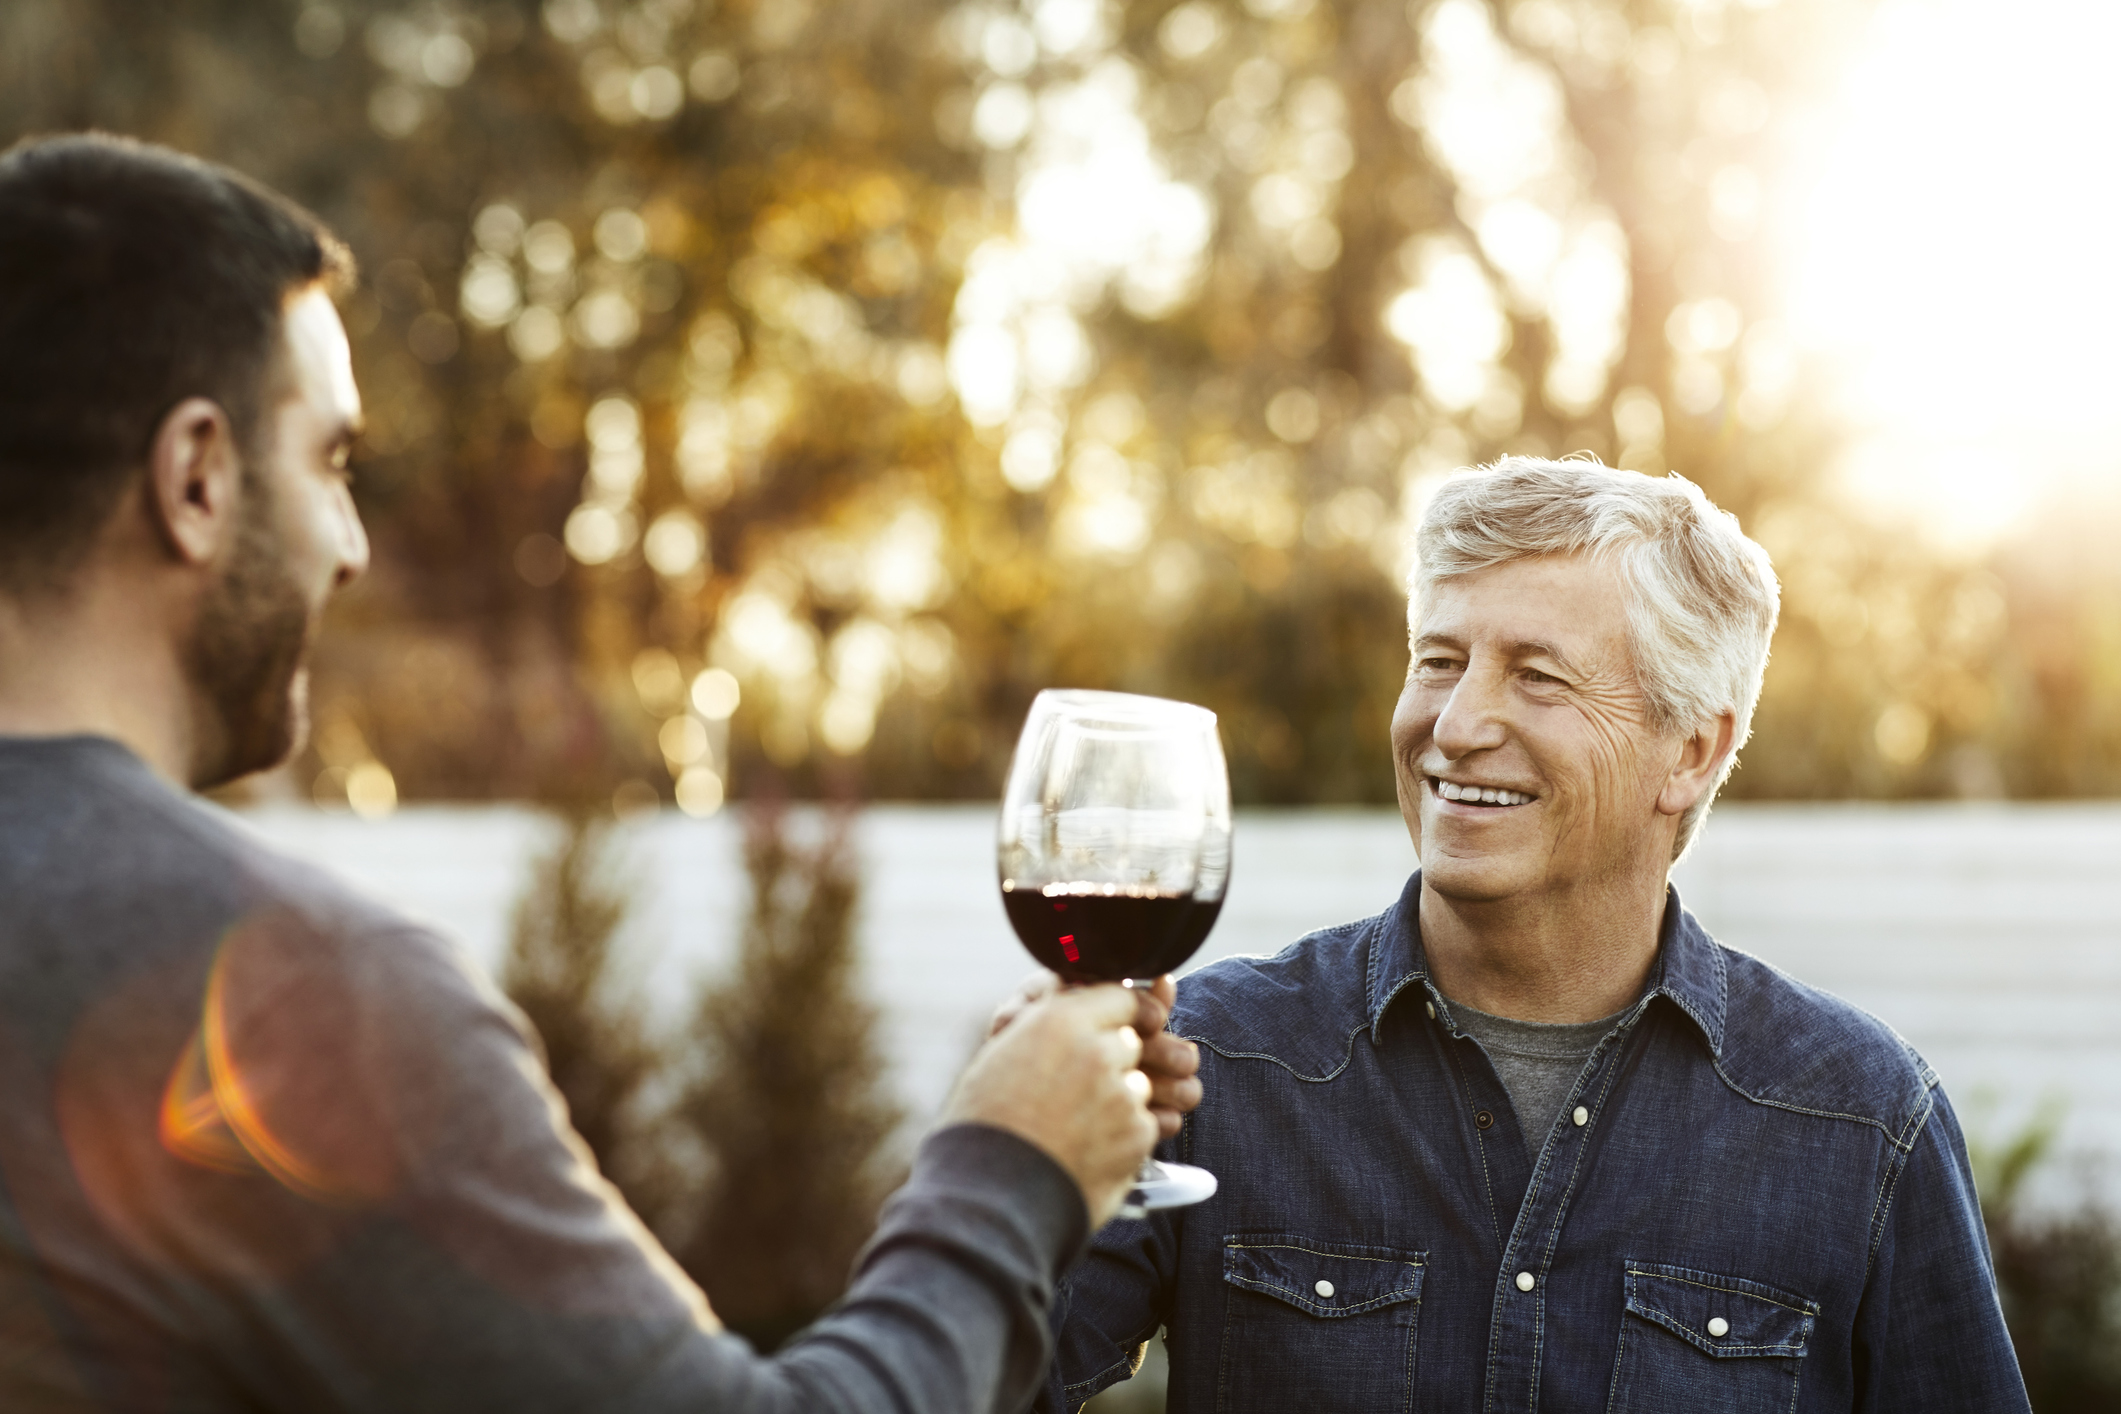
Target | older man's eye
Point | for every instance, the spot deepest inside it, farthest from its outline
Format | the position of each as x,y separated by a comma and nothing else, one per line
1544,679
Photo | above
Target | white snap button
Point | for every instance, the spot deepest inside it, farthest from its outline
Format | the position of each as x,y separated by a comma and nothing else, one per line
1719,1327
1324,1288
1526,1281
1582,1116
1432,1009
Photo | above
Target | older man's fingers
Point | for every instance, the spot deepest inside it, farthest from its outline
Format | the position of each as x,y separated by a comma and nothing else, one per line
1180,1095
1153,1005
1165,1054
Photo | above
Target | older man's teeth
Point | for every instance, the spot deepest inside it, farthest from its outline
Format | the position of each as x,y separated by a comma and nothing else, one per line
1484,795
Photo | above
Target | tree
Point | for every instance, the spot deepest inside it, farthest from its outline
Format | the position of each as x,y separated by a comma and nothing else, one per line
562,971
787,1098
899,360
755,1140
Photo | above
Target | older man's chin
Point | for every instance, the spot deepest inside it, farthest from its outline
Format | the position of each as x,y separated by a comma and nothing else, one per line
1463,879
1462,871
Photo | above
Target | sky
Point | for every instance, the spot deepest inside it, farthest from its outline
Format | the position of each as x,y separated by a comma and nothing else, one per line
1958,263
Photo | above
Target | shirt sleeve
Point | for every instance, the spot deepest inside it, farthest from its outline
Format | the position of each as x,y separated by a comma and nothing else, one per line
1930,1336
376,1203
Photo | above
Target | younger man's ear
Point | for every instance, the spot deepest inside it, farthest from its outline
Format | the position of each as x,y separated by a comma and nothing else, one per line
193,480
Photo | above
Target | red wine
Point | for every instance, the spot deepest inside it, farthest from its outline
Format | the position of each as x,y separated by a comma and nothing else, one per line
1088,935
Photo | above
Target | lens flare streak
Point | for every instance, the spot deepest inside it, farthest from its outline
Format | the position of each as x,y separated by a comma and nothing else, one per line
210,1118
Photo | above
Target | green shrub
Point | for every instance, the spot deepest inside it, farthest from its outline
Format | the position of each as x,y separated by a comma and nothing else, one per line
2058,1275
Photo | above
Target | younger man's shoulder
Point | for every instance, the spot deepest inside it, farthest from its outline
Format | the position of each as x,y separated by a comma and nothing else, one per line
130,854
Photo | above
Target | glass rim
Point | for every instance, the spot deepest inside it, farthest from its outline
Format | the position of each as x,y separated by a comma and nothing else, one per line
1125,706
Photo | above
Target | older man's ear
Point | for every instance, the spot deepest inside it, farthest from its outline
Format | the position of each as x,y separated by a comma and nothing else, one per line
1701,758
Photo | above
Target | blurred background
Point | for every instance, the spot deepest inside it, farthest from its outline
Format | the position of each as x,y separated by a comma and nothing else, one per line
768,397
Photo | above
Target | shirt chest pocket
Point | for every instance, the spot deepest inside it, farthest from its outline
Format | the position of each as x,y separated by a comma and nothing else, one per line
1317,1325
1714,1344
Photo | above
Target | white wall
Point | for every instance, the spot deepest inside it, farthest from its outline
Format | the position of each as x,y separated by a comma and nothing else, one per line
1989,936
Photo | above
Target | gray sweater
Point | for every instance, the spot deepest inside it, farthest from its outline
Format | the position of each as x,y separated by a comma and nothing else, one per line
265,1145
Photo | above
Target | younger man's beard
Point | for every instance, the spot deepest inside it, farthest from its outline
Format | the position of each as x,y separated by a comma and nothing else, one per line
248,654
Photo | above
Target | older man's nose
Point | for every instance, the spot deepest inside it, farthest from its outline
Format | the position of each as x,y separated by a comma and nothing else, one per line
1472,718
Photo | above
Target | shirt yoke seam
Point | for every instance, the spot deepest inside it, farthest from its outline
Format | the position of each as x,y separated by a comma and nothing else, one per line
1332,1074
1892,1138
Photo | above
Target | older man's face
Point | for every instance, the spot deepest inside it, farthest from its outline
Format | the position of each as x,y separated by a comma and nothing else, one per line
1522,702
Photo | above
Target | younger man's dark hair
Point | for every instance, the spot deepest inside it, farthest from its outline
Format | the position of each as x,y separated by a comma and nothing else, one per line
131,278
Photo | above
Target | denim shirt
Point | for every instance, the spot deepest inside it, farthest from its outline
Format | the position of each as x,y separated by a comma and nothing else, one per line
1755,1199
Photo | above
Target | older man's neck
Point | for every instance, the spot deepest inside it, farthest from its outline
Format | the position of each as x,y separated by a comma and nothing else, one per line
1546,959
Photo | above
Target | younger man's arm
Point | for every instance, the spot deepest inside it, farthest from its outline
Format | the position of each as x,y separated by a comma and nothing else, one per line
395,1214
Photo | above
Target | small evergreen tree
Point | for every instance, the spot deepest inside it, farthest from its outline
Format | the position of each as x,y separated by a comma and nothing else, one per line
559,970
788,1101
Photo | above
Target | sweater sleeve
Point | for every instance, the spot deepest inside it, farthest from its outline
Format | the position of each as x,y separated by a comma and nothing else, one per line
377,1204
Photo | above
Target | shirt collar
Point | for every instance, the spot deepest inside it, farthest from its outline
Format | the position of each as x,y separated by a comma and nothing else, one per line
1689,969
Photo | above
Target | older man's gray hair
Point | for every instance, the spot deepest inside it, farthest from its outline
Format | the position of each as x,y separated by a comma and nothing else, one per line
1701,598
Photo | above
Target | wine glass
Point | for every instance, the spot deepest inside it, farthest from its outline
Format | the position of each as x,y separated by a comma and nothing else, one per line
1114,854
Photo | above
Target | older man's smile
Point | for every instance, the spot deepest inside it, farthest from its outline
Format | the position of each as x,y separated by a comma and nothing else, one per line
1470,794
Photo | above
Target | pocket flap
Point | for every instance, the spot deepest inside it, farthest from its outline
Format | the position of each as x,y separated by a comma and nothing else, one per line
1723,1316
1323,1278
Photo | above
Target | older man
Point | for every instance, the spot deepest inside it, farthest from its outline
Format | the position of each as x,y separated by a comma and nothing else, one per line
1531,1139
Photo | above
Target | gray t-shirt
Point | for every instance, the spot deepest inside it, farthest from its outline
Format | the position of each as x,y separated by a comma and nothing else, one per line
1537,1061
265,1145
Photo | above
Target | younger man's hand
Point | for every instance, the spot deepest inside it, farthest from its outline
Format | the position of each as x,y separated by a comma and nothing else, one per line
1171,1064
1061,1074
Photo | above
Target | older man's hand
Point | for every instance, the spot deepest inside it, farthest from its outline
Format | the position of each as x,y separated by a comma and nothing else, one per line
1171,1064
